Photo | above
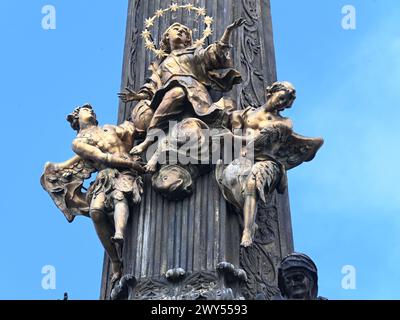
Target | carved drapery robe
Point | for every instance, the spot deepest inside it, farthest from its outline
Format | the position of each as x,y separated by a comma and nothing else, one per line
195,70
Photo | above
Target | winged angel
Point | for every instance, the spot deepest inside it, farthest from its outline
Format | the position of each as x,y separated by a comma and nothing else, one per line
105,151
271,149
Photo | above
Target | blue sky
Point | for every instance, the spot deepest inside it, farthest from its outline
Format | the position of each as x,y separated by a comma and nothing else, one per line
345,204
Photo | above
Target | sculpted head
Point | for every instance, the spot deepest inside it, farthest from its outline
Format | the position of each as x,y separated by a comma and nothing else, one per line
173,182
82,116
280,96
298,277
177,36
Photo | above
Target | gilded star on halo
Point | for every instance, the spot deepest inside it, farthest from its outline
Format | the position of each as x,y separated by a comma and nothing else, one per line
159,13
201,11
208,20
146,33
149,45
199,43
159,53
149,22
207,32
189,7
174,7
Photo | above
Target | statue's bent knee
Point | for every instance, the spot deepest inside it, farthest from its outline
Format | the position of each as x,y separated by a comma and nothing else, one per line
118,196
177,93
97,215
251,185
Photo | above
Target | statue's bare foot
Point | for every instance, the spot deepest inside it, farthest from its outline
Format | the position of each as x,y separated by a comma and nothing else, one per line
116,272
139,149
247,240
151,167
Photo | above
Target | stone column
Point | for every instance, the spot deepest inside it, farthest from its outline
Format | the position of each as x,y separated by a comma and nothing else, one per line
191,249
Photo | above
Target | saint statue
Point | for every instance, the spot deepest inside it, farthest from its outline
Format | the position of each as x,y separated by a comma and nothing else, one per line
180,82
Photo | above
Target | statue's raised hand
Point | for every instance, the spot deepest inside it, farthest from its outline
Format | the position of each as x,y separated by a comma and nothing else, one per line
236,24
130,95
226,37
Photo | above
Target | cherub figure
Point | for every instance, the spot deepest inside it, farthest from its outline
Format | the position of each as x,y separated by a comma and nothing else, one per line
180,82
272,149
104,150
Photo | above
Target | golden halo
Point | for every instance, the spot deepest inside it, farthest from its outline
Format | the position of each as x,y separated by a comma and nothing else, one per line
149,23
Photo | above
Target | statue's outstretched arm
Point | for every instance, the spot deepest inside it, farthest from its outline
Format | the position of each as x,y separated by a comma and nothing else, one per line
87,151
147,91
226,37
130,95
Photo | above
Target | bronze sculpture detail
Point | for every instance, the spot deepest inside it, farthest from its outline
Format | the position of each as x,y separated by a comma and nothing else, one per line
298,278
118,185
180,81
272,148
178,90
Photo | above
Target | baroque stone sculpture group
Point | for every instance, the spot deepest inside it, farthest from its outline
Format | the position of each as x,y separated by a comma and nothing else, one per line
178,92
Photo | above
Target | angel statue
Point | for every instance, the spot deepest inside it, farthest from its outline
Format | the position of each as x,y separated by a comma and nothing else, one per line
180,81
118,184
271,149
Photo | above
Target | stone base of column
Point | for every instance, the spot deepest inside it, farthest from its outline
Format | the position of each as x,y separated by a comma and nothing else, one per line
222,284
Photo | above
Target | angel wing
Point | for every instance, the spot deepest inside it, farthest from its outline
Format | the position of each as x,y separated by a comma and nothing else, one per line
64,183
298,149
265,145
267,176
275,145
